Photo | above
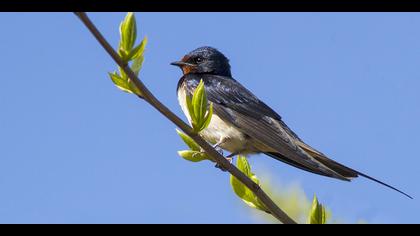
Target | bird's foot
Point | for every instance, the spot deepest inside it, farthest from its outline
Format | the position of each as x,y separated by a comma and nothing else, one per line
217,145
218,149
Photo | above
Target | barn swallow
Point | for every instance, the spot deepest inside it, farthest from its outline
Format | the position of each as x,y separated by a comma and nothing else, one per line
243,124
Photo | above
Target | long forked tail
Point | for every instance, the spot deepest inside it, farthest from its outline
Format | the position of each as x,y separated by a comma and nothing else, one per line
333,165
341,168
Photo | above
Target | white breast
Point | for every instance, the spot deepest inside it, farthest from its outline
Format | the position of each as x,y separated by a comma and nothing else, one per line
217,129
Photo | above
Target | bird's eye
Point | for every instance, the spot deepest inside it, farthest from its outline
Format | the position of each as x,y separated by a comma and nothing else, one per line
198,59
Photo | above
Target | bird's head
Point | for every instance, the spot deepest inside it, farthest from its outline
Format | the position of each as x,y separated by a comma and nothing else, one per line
204,60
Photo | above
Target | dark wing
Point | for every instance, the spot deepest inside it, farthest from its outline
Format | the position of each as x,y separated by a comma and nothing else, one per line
237,105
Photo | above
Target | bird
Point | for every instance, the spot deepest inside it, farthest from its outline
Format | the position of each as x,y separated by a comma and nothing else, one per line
243,124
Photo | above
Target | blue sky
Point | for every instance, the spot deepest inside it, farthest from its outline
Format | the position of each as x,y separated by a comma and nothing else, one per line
75,149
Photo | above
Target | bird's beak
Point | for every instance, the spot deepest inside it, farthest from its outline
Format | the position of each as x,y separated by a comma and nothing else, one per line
181,64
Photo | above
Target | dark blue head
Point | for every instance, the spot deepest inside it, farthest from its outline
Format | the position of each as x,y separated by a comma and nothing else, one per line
204,60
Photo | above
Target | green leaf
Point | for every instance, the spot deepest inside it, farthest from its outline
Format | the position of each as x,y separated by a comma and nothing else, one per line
318,213
123,54
199,102
207,119
128,32
137,64
193,156
123,83
133,88
191,111
189,141
123,75
243,165
241,190
120,82
115,77
197,108
139,50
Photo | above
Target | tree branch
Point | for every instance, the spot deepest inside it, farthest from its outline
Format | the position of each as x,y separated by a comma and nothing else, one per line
152,100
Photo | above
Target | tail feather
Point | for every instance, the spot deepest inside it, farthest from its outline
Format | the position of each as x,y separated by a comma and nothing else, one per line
337,167
384,184
345,171
289,161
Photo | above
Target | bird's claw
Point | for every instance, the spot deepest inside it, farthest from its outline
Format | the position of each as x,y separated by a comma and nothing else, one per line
219,150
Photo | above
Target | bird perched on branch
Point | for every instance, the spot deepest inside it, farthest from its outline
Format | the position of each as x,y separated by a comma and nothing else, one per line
243,124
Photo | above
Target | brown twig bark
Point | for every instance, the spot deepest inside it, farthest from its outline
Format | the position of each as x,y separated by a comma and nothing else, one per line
152,100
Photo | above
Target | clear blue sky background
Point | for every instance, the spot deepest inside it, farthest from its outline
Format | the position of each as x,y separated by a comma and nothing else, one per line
75,149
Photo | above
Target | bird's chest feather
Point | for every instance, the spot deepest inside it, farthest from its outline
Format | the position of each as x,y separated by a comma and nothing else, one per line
218,129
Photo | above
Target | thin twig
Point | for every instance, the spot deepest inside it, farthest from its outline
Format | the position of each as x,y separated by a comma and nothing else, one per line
152,100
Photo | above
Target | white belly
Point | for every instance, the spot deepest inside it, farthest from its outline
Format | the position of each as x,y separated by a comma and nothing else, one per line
217,130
